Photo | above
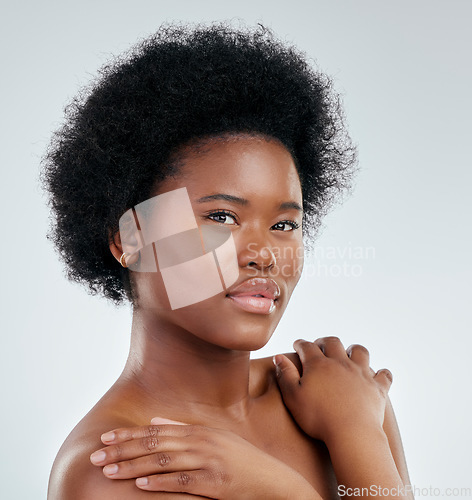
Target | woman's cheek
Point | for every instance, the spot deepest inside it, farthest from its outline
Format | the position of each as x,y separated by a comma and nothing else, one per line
290,263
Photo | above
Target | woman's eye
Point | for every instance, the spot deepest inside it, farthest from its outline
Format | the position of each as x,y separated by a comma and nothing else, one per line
286,225
223,218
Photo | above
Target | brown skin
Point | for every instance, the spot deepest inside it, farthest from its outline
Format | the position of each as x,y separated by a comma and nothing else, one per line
192,365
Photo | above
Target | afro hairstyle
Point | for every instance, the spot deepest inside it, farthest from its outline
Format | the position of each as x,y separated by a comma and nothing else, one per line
179,86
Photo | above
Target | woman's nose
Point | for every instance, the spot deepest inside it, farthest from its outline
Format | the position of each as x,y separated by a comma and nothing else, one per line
257,256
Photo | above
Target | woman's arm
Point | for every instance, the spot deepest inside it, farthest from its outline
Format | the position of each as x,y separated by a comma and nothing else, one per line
392,431
338,399
390,428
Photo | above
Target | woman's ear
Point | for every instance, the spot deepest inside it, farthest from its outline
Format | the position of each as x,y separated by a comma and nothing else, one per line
115,244
131,245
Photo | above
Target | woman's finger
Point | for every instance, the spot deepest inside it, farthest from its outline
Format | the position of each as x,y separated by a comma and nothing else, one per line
331,347
196,482
306,351
288,378
359,354
384,378
158,463
123,434
139,447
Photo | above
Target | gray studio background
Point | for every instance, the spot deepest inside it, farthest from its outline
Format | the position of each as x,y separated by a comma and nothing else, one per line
393,272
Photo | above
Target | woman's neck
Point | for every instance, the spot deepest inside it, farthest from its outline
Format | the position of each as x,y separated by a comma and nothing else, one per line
173,368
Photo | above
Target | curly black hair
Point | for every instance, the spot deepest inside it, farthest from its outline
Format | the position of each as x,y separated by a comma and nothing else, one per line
179,86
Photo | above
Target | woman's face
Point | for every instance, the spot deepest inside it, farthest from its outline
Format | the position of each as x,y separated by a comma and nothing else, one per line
250,186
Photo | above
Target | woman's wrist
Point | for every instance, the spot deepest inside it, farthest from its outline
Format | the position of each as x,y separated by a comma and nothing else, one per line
343,436
362,458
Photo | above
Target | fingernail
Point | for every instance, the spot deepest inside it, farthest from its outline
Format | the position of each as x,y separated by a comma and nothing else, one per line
276,360
163,421
108,436
110,469
142,481
97,457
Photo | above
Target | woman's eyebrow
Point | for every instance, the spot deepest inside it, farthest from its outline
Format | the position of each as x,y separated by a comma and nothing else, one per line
226,197
241,201
290,204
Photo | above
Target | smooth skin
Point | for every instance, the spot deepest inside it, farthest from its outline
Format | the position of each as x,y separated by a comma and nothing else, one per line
255,430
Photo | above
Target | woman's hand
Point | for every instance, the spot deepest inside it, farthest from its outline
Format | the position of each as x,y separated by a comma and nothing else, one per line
337,392
199,460
340,400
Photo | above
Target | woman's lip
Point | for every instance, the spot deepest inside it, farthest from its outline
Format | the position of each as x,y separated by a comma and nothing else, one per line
267,287
257,305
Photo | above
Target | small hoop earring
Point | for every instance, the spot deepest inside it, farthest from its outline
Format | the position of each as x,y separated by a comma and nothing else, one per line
121,260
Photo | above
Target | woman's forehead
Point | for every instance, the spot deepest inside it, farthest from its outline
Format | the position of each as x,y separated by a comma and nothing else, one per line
244,167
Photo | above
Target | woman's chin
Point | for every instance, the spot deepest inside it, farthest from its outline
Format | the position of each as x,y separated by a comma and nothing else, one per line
224,323
227,335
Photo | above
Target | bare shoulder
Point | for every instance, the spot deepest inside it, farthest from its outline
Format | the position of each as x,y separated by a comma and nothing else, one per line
73,477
